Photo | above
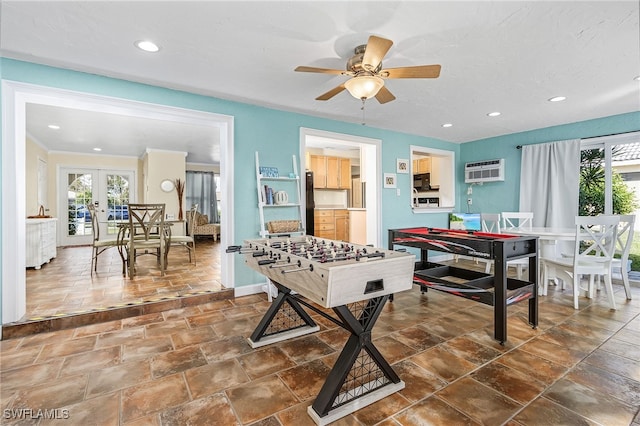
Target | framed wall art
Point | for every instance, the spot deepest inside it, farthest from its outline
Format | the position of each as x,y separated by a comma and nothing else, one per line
389,180
402,165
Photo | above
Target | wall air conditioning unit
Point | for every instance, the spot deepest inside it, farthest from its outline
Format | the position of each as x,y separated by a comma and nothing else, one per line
484,171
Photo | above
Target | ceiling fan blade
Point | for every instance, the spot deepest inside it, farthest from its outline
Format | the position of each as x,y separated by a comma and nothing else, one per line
376,48
320,70
420,71
331,93
384,95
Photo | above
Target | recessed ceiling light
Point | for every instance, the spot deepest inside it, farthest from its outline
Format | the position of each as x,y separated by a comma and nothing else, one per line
637,78
447,125
53,126
557,99
147,46
493,114
97,149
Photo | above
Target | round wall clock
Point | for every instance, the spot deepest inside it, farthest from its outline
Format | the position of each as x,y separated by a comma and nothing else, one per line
167,185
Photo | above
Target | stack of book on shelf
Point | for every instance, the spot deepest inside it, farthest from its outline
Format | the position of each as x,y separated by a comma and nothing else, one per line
267,194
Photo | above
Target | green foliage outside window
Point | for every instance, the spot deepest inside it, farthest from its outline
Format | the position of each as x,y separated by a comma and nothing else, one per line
591,200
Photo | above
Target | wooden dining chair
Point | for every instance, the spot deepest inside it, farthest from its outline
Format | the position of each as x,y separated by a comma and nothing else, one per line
188,241
522,221
147,234
98,245
593,255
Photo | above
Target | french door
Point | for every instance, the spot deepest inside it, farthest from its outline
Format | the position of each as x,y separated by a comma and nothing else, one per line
110,191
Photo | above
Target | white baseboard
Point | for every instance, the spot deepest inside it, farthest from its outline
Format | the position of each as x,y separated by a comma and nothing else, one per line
247,290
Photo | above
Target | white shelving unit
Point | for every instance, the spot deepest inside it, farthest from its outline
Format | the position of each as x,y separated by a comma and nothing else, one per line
291,210
294,206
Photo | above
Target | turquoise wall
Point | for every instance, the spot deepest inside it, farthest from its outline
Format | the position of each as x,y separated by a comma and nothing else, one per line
274,134
496,197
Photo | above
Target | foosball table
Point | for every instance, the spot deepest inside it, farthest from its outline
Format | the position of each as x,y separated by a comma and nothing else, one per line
355,281
496,290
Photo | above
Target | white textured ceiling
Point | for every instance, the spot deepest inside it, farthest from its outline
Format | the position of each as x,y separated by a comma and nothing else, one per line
496,56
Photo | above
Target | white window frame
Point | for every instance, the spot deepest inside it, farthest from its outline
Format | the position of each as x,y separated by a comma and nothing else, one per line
608,142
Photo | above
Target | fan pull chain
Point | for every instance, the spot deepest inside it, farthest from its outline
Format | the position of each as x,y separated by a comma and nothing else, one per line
362,108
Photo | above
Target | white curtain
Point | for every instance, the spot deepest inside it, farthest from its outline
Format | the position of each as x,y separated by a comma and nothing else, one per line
550,182
201,189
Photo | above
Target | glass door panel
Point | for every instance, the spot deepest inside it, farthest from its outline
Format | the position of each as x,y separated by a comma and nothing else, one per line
116,197
75,218
110,191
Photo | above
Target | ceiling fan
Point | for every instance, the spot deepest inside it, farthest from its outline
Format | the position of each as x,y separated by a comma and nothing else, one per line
365,68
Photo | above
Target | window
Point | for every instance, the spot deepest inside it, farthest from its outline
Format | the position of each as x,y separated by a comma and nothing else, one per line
610,180
609,175
201,189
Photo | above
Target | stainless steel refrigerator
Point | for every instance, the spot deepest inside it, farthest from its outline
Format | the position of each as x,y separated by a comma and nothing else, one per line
310,203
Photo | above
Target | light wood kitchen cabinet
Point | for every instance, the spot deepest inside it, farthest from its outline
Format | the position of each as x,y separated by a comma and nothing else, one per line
422,165
345,173
333,173
342,224
324,224
332,224
330,172
319,169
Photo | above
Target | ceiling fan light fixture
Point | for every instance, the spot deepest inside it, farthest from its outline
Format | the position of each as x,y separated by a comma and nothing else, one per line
364,86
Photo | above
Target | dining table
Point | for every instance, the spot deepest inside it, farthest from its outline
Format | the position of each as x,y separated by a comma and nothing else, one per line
549,237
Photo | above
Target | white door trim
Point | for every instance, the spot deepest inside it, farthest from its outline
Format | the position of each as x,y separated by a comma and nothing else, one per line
374,190
15,97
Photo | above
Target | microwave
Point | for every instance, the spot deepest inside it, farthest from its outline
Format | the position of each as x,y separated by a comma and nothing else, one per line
421,182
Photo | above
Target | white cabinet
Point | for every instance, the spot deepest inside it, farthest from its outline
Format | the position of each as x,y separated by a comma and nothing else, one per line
40,241
435,172
358,226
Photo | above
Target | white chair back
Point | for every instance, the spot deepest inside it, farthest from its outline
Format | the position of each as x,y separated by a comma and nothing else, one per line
595,240
624,238
520,220
490,222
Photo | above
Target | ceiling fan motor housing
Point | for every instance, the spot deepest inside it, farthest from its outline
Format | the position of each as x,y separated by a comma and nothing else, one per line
354,64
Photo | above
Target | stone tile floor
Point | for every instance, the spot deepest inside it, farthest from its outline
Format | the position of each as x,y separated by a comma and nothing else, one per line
193,365
66,285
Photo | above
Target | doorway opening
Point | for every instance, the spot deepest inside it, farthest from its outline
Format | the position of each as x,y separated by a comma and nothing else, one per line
15,98
364,199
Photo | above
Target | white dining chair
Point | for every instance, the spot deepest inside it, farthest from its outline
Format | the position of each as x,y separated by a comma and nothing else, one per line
593,255
490,222
624,239
522,221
